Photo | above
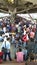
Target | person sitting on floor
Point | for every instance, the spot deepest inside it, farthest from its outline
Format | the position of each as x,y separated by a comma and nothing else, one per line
19,56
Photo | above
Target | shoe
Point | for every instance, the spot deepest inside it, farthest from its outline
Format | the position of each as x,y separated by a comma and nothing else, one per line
10,59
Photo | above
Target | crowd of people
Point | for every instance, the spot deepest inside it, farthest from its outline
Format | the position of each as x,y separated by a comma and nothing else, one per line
18,33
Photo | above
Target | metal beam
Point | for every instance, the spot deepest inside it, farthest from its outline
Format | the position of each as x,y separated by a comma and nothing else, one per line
26,9
3,11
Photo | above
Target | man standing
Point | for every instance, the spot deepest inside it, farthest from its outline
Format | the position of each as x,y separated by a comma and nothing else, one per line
6,46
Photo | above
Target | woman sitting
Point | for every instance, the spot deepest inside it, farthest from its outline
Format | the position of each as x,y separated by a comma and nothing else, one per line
19,56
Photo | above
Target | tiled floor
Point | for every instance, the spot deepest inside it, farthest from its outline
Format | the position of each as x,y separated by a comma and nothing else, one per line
15,63
12,63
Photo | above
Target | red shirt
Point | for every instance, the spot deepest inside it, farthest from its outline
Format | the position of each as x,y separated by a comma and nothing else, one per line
25,38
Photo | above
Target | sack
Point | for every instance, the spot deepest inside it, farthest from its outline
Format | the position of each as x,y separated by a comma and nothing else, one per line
4,50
